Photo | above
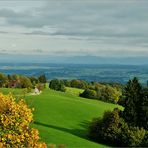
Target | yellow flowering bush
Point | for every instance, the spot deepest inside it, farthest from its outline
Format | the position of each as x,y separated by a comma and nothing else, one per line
15,119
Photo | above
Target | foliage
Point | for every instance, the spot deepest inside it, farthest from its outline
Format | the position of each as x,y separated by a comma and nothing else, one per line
25,82
3,80
105,129
34,80
109,94
57,85
78,84
127,127
40,86
143,110
88,93
113,130
133,96
101,92
42,79
67,83
145,140
136,104
15,119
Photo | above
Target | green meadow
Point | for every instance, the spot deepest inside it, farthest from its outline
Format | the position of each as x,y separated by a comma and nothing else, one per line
63,117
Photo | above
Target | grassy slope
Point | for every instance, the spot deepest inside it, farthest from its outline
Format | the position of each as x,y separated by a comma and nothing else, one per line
63,118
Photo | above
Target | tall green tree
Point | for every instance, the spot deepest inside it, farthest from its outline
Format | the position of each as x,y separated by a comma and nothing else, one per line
133,97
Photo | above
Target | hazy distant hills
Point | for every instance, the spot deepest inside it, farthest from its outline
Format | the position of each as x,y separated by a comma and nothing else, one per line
9,58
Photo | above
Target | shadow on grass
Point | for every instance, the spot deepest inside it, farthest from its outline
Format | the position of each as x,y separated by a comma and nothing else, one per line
82,132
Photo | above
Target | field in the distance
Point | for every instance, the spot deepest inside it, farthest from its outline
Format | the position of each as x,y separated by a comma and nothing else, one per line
62,118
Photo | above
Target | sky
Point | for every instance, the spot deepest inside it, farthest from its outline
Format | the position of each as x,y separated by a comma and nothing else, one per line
103,28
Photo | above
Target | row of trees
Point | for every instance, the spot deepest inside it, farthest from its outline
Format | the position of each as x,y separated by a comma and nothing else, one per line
19,81
128,127
60,85
105,92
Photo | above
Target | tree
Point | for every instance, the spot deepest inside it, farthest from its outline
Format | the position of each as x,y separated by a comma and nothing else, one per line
34,80
78,84
88,93
57,85
15,121
110,94
42,79
133,96
3,80
106,129
25,82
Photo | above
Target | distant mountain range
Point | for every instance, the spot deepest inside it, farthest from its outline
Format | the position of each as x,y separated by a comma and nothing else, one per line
9,58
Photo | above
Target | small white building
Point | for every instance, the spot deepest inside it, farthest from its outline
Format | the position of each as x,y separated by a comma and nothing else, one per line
36,90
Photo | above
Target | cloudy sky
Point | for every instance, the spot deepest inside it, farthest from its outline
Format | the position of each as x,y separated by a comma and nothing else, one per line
110,28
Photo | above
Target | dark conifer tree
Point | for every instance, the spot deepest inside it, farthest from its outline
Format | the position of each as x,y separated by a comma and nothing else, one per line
133,97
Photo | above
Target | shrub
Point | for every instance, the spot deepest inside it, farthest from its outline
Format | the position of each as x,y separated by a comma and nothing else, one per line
88,93
135,136
78,84
57,85
104,93
106,129
110,94
15,119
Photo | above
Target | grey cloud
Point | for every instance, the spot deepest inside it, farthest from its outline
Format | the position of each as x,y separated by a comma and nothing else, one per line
84,19
112,23
3,32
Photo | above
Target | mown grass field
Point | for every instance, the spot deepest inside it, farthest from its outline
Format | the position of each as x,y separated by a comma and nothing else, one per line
63,118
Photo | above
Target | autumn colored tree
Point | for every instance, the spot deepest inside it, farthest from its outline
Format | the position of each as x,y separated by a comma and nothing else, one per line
15,120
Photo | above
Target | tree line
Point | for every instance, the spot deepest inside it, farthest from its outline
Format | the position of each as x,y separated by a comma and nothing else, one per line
21,81
92,90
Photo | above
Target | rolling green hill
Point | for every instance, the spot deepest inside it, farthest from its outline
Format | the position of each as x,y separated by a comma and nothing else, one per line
62,118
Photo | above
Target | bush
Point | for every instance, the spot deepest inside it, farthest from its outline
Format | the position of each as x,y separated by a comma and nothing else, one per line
135,136
106,129
104,93
78,84
15,119
88,93
57,85
110,94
